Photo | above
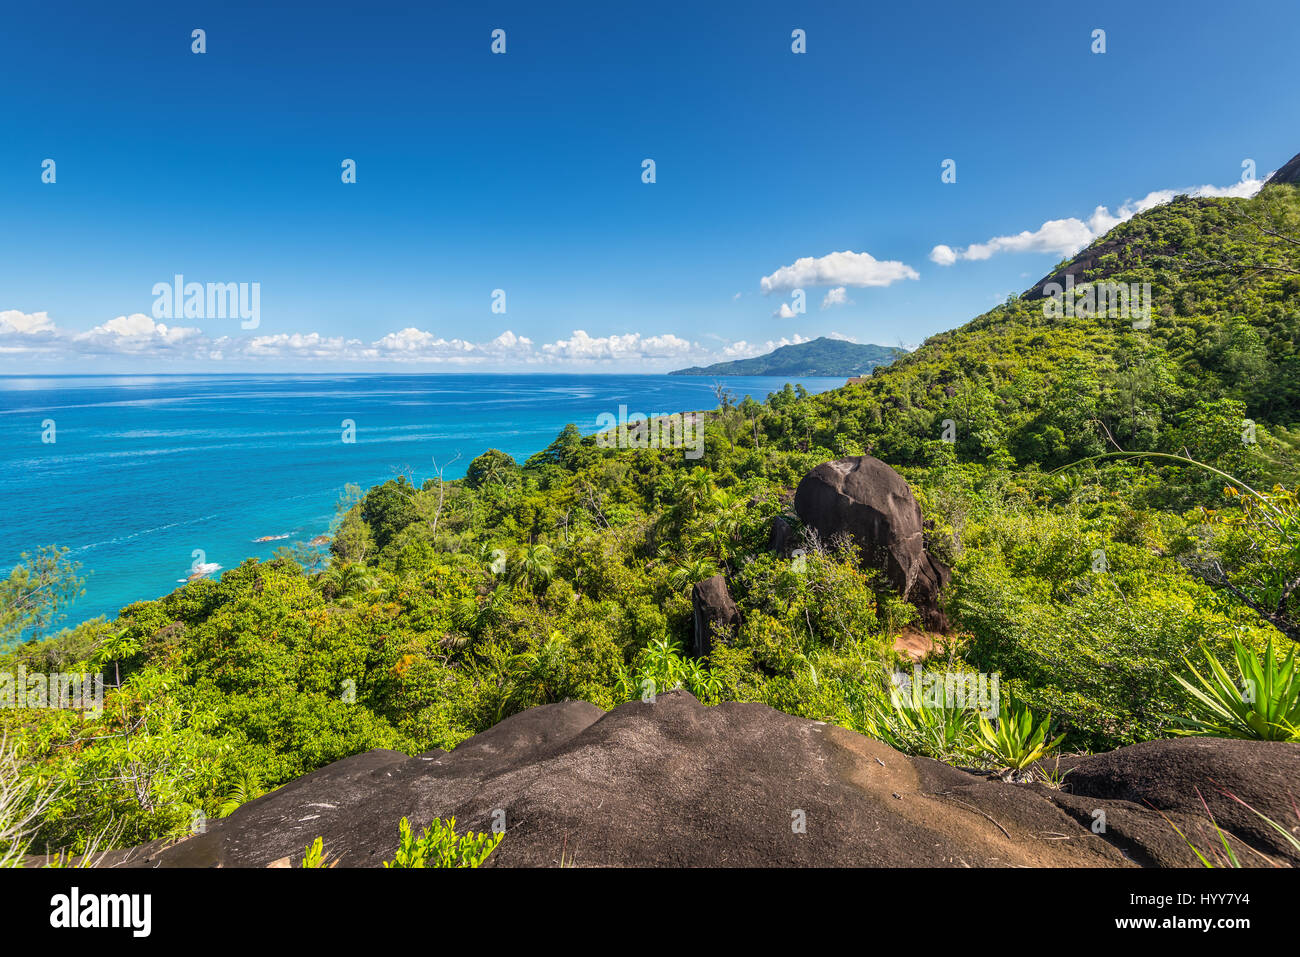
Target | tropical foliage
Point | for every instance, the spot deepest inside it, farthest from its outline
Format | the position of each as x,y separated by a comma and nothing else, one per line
444,606
438,845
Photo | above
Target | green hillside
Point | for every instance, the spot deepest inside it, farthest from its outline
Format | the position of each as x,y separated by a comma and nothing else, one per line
1223,339
821,357
1087,584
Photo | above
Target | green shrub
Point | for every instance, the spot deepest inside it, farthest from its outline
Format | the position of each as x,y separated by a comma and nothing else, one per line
439,846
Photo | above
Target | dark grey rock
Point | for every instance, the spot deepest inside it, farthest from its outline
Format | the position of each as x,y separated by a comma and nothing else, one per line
866,499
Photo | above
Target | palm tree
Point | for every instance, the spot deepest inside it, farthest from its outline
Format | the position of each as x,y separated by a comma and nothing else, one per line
698,485
536,677
348,580
245,789
532,564
493,557
689,571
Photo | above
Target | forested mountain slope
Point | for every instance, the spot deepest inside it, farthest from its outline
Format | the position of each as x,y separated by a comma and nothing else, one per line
820,357
1224,329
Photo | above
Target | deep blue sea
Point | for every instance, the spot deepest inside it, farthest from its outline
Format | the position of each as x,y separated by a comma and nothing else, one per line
144,470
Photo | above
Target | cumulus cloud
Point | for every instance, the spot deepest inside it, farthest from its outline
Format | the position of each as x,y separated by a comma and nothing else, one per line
741,349
413,344
137,333
25,324
836,297
785,312
943,255
1065,237
23,333
36,335
837,269
311,345
580,347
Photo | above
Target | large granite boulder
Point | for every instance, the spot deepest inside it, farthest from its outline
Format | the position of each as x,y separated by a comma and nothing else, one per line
864,498
674,783
713,605
1183,777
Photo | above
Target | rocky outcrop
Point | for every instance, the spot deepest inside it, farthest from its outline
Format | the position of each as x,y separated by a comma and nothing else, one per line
864,498
782,538
1175,777
1290,173
712,606
674,783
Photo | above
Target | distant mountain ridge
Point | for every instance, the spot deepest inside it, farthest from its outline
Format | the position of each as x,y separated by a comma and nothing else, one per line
820,357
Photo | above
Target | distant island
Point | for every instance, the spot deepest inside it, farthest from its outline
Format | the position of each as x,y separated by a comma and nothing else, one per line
821,357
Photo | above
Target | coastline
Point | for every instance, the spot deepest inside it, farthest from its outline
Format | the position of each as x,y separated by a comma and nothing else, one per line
262,456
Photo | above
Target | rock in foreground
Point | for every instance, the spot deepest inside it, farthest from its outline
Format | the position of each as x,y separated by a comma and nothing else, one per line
677,784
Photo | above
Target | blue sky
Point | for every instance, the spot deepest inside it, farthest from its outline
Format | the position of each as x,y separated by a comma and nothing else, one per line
523,171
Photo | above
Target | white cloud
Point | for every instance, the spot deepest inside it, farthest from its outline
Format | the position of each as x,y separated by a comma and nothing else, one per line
745,350
581,347
311,345
785,312
137,336
1065,237
25,324
943,255
836,297
837,269
416,344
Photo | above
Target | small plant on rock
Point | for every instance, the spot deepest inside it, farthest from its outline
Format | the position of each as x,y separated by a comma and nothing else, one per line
439,846
1015,742
1263,705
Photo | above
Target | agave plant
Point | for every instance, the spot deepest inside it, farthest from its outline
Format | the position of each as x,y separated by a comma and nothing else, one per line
908,722
1264,705
1015,742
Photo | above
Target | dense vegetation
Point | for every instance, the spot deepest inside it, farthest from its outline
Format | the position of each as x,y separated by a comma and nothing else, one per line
820,357
441,608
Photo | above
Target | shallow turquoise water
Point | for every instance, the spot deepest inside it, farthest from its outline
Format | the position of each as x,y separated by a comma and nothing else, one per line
147,469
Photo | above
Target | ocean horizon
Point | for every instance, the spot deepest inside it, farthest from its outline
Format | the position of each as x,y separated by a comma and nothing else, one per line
135,474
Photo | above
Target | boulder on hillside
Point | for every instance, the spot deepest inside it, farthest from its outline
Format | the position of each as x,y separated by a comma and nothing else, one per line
782,539
675,783
869,501
712,605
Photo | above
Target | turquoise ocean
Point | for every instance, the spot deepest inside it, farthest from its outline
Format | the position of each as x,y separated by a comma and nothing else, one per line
145,470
